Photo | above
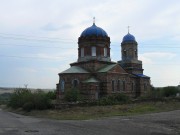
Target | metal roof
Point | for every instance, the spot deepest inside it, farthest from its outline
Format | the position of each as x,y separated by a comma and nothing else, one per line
128,37
93,30
107,68
74,69
91,80
141,75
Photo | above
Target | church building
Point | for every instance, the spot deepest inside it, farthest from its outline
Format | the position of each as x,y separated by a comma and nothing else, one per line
95,75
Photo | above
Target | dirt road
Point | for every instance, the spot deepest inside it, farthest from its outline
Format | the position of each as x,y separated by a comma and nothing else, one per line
166,123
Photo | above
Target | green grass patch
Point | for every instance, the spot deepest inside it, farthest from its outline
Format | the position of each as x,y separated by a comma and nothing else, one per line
97,112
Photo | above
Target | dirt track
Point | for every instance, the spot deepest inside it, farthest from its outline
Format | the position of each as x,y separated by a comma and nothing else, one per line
166,123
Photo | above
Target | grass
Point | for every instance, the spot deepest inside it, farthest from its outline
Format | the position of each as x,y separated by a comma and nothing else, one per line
96,112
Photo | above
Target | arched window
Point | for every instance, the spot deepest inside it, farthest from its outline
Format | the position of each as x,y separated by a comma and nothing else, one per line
82,52
125,53
62,83
132,86
118,85
93,51
123,85
75,83
105,52
145,86
135,52
113,83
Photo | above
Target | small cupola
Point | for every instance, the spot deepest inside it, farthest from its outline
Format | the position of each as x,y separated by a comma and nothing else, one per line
129,50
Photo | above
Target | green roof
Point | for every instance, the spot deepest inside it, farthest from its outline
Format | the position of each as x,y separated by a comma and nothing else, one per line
107,68
91,80
74,69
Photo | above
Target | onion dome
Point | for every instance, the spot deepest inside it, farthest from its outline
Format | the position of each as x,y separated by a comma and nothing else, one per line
129,38
94,31
94,44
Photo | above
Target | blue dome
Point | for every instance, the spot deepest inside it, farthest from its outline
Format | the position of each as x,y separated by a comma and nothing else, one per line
94,30
128,38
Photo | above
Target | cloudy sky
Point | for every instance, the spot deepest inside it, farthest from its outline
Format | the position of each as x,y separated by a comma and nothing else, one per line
38,38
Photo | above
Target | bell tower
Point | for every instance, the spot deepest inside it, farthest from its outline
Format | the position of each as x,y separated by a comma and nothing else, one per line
129,54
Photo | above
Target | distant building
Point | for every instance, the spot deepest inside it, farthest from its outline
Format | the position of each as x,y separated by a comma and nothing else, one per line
95,75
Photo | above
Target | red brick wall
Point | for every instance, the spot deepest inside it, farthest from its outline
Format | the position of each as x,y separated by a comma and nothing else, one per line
91,66
141,85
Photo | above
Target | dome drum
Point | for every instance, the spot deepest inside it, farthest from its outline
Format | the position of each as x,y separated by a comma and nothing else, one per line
94,44
94,40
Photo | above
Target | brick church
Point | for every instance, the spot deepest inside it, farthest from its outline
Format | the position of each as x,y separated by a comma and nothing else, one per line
95,75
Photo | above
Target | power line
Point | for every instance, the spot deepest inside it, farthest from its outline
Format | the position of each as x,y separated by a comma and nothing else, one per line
158,45
31,57
48,39
162,64
60,57
30,36
44,46
31,39
36,46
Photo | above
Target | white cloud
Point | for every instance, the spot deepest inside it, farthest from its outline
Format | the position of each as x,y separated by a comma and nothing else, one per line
51,27
163,74
161,67
152,57
61,56
27,70
151,21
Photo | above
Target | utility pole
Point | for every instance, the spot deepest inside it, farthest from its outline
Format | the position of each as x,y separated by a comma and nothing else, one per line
25,85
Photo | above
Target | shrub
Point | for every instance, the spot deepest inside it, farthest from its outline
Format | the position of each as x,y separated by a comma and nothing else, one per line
122,98
40,100
106,101
51,95
114,99
19,97
72,95
155,93
169,91
28,100
28,106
